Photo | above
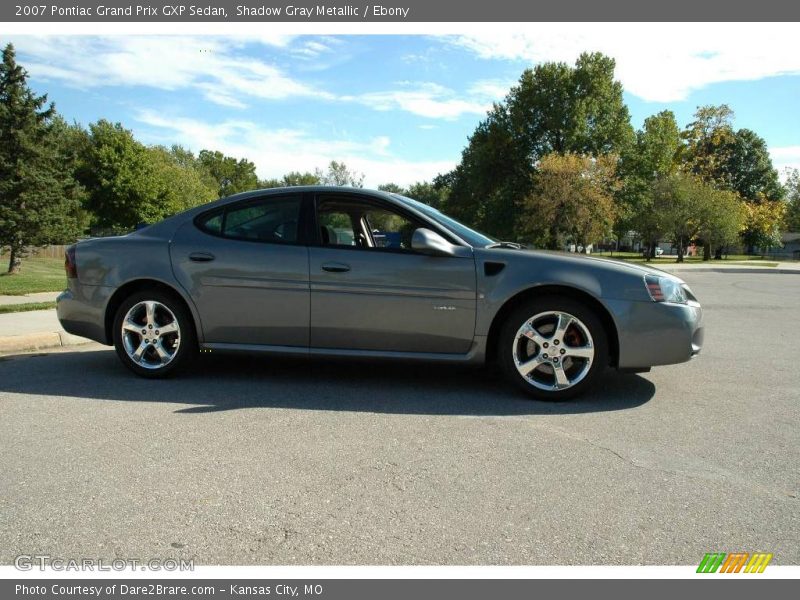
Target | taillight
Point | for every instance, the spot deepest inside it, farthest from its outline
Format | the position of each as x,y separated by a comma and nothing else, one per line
70,266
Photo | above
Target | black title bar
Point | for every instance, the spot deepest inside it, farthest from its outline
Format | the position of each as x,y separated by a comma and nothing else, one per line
399,11
733,588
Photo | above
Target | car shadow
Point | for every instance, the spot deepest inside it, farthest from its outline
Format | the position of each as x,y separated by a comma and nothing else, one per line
221,383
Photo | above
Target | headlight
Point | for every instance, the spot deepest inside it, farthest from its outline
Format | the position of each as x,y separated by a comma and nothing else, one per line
666,289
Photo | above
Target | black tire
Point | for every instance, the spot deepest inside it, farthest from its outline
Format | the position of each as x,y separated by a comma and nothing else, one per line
186,348
508,347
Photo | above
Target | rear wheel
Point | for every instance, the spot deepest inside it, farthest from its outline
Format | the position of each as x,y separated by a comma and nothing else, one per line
553,348
153,334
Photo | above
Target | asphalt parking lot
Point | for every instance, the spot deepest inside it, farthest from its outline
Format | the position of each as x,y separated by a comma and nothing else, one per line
264,461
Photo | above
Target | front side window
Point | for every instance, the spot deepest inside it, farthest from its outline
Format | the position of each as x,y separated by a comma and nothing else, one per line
390,230
273,220
353,223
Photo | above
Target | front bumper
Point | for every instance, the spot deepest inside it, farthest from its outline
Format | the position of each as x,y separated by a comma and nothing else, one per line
657,333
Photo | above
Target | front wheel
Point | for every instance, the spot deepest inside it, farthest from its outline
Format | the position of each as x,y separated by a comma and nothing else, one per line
153,334
553,348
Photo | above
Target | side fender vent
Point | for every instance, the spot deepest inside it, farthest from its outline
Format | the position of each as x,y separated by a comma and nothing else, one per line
493,268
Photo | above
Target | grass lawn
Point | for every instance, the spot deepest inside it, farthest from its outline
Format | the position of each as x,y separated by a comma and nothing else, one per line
38,274
731,259
12,308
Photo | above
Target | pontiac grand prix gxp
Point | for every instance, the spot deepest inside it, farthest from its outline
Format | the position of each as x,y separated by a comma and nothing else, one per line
321,271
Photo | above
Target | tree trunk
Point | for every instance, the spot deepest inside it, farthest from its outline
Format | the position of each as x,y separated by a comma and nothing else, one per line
14,261
680,251
718,253
706,251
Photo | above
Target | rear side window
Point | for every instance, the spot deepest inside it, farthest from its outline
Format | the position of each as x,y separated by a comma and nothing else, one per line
274,219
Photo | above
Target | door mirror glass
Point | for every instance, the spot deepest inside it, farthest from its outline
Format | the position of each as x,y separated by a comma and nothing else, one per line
429,242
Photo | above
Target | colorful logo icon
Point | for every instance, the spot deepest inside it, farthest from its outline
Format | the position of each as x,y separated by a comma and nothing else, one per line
735,562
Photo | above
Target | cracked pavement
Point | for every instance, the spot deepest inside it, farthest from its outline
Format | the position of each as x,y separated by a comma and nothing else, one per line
267,461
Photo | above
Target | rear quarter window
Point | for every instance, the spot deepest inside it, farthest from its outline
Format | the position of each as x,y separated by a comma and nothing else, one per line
211,224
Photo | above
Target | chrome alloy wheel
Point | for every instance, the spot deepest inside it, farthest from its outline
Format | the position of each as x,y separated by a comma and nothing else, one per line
151,334
553,351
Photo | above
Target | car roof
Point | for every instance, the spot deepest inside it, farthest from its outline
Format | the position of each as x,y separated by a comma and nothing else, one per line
310,188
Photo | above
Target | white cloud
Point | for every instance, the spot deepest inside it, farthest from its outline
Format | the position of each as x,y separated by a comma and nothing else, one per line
279,151
213,66
217,69
785,157
424,99
661,62
491,89
315,48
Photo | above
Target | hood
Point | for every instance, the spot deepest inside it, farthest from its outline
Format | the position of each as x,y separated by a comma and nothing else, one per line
577,261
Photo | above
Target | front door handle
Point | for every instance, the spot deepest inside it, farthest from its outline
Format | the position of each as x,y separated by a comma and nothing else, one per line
335,267
201,257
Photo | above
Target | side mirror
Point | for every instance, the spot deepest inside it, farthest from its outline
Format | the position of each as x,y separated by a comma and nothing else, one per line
429,242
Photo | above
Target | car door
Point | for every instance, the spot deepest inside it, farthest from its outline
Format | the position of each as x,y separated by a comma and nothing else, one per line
371,291
245,266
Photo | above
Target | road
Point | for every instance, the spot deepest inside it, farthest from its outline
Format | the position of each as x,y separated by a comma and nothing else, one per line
264,461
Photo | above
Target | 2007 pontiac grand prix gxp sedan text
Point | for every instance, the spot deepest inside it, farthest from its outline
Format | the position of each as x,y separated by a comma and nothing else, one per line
324,271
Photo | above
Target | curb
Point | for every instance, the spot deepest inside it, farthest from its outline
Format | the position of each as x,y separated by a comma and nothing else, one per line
38,341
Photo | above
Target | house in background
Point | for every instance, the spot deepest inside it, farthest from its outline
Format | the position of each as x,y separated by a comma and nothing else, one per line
791,246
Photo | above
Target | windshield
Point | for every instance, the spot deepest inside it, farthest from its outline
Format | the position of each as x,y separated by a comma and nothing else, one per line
472,237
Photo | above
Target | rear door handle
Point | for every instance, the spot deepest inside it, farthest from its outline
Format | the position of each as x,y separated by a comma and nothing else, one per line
201,257
335,267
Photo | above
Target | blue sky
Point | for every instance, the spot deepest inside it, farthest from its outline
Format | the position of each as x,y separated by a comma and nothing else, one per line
397,107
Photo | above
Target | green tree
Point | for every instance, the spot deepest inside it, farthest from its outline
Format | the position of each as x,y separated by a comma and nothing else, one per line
763,225
793,199
573,199
731,160
709,141
678,201
183,157
265,184
118,174
294,178
232,175
181,184
297,178
392,188
722,217
749,170
68,142
653,157
486,188
129,183
338,174
428,193
553,108
39,199
688,208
